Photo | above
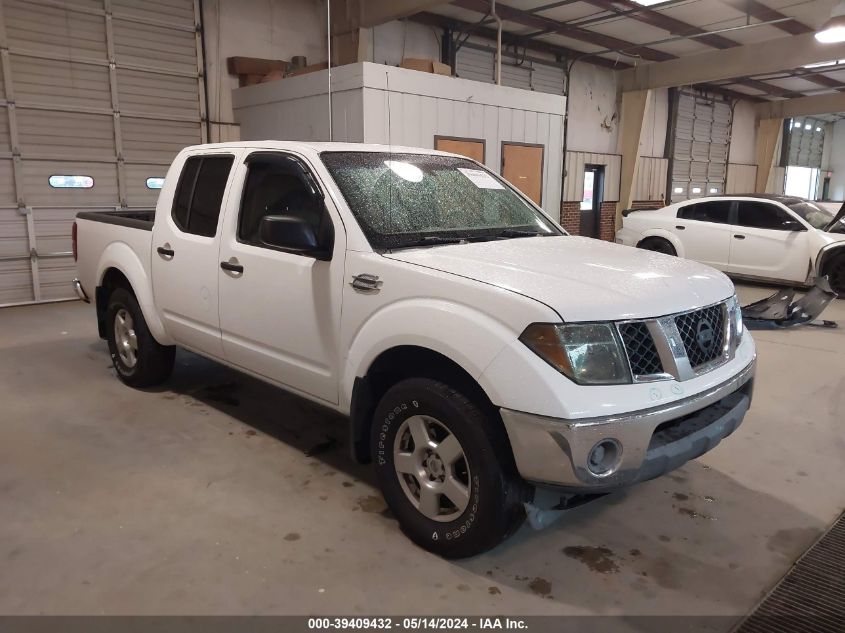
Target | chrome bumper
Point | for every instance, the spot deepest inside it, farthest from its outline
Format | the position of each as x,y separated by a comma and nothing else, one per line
650,442
80,291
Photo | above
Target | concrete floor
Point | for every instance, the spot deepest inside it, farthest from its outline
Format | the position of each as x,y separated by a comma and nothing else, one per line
200,498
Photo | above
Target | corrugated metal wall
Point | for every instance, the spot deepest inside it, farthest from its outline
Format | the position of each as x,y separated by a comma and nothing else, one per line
416,119
741,178
650,178
575,163
108,89
700,146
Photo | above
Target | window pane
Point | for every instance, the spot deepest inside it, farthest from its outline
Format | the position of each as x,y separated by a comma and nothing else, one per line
155,183
71,182
761,215
589,185
717,211
208,195
275,186
182,201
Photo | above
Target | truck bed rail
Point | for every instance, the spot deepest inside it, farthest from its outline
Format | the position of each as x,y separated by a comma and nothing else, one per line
134,218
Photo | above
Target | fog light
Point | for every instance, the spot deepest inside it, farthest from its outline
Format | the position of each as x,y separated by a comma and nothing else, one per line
604,457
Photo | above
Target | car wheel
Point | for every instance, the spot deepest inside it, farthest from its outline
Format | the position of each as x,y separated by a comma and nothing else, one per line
139,359
658,245
835,272
445,469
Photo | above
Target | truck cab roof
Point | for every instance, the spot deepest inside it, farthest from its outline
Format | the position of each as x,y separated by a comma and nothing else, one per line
316,146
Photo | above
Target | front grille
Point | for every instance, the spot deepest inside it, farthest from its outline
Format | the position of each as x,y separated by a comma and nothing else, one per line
703,334
642,354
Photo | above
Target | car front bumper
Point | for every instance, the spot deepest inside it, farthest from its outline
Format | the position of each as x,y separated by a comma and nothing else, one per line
648,443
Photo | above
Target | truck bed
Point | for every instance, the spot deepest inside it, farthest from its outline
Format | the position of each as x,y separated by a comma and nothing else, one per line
134,218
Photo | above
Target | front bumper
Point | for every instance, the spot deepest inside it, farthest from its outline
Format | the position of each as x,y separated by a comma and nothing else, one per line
650,442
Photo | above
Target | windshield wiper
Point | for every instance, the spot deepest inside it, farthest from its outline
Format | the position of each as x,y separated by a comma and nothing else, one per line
507,233
430,240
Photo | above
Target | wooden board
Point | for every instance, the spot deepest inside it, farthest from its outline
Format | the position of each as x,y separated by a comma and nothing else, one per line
470,148
522,166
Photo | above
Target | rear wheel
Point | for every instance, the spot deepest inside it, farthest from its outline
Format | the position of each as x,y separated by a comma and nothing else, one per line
139,359
658,245
835,272
445,469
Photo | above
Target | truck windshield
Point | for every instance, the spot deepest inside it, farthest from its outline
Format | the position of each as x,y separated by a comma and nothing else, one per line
404,200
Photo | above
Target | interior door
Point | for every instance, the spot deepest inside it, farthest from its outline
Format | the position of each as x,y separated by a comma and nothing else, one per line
185,254
522,166
767,241
280,311
704,230
470,148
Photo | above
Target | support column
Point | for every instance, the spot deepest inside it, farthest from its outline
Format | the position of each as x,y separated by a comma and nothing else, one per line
768,131
634,106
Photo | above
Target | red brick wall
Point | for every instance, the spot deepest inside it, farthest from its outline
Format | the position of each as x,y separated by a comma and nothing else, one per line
570,219
648,204
570,216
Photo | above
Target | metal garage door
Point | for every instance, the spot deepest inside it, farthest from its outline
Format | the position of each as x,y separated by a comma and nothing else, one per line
96,98
699,158
806,143
478,62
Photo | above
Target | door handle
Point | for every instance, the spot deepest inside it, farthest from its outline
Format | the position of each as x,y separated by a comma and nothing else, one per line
739,237
680,227
166,251
232,266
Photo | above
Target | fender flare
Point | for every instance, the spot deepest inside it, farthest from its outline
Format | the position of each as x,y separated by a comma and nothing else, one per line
472,340
666,235
120,256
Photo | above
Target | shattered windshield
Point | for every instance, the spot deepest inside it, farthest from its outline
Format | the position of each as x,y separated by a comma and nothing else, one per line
817,216
402,200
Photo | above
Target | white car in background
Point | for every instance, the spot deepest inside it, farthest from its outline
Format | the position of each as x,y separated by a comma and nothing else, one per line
759,236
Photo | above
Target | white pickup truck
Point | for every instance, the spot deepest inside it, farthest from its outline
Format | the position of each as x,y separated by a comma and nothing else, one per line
481,353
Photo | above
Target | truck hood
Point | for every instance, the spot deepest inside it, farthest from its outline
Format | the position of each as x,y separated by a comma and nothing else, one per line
582,279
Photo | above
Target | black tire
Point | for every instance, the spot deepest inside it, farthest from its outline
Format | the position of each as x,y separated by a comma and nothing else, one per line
835,272
658,245
153,362
494,509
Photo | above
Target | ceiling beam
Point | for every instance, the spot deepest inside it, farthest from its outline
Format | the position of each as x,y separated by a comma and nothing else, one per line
768,88
525,18
818,104
510,39
663,21
770,56
766,14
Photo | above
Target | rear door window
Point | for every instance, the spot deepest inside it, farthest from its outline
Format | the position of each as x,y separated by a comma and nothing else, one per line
196,206
716,211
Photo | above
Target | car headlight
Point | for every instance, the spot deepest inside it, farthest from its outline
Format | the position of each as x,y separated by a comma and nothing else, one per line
587,353
735,315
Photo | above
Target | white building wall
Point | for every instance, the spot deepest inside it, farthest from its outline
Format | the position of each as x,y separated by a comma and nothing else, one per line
593,110
384,104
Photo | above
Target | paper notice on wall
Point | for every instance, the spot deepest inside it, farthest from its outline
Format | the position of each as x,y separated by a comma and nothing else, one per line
481,179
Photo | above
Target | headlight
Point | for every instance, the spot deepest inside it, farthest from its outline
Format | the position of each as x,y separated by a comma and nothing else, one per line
588,353
735,314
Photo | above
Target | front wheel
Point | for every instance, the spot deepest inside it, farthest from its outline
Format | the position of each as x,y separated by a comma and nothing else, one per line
139,359
445,469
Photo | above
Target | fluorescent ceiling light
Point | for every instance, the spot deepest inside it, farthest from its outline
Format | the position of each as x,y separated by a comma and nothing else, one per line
650,3
834,29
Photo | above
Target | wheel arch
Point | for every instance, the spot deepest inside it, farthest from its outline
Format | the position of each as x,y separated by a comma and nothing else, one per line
827,255
394,365
666,235
120,266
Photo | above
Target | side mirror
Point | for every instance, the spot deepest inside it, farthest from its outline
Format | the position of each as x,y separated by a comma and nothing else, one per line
793,225
294,235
